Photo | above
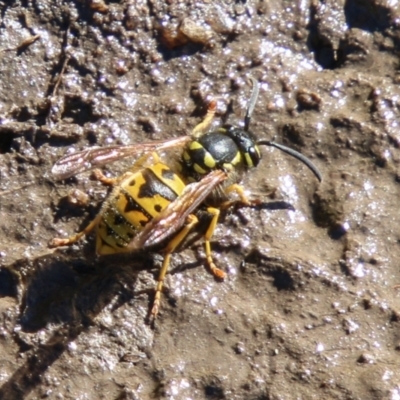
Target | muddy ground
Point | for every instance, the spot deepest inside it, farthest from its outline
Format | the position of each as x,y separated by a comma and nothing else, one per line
310,307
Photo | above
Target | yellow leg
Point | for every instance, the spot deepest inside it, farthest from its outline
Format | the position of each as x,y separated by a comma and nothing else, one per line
56,242
218,273
98,175
140,163
244,201
240,192
192,221
204,125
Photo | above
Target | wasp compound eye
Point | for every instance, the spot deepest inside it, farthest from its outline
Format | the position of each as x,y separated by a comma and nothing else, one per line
253,156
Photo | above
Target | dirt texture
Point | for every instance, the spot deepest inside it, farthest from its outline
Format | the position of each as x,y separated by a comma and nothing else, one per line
310,308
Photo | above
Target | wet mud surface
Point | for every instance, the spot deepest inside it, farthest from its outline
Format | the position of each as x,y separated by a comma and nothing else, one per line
310,307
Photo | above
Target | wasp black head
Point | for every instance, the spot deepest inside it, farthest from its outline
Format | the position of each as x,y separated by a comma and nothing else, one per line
229,148
245,144
232,148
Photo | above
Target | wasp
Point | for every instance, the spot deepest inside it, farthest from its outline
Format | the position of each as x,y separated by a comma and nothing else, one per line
154,204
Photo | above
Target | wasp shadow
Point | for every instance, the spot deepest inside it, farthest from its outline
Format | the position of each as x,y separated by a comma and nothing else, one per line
67,293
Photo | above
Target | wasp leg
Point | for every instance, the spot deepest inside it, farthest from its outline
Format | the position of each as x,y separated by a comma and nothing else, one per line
204,125
57,242
173,244
218,273
98,175
139,164
244,200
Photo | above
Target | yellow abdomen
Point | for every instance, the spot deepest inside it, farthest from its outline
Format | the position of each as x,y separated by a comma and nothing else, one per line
134,202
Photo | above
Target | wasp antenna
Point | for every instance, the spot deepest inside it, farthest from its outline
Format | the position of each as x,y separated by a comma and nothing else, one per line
294,154
252,103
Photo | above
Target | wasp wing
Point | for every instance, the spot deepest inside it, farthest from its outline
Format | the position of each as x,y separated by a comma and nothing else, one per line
174,216
95,157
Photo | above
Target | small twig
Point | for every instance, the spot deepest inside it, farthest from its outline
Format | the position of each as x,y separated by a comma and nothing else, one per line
25,43
16,188
67,58
64,66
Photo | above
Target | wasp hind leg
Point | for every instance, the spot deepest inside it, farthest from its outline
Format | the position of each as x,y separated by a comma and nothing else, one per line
173,244
57,242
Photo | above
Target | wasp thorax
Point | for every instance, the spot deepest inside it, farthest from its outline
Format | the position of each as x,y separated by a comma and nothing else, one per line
209,152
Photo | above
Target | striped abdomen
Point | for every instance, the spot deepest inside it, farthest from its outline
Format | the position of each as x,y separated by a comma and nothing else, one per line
134,202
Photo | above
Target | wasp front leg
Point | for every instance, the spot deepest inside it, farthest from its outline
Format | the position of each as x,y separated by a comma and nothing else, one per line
202,127
243,199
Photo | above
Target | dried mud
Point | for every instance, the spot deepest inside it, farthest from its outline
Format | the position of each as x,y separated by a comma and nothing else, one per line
310,308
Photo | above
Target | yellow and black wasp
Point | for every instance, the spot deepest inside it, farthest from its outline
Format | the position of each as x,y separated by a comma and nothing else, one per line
154,205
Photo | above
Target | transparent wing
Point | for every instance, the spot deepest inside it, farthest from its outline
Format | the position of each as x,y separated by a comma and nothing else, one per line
95,157
173,217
